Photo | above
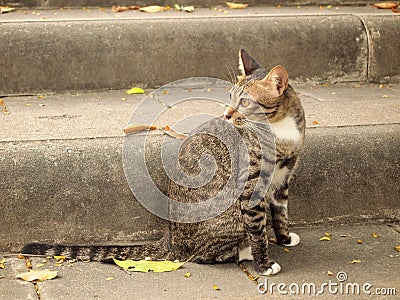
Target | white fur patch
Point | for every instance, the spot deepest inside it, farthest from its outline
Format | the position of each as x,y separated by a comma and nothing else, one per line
294,240
274,269
245,254
279,176
286,129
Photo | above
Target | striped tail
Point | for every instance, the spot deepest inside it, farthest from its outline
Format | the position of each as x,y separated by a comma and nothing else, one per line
155,250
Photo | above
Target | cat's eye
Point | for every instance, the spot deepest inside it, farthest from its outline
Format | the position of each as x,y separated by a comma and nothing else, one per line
244,102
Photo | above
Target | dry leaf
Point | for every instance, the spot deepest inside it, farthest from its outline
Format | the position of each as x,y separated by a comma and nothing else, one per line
188,9
236,5
359,241
109,278
37,275
135,90
116,8
2,261
355,261
315,122
215,287
1,277
385,5
138,127
39,265
325,238
286,250
59,258
327,234
4,107
374,235
173,133
146,266
397,248
249,275
6,9
187,275
153,8
330,273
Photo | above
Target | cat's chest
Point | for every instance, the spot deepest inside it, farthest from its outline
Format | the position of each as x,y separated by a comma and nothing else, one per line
286,129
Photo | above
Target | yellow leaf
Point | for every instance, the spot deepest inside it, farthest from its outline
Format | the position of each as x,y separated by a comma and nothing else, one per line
188,8
6,9
325,238
4,107
59,258
355,261
327,234
359,241
146,266
385,5
37,275
2,261
135,90
330,273
374,235
286,250
397,248
187,275
215,287
236,5
153,8
109,278
39,265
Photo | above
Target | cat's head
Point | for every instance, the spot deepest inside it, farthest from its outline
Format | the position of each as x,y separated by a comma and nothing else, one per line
257,94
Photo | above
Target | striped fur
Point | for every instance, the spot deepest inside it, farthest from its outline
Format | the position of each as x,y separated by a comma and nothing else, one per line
257,95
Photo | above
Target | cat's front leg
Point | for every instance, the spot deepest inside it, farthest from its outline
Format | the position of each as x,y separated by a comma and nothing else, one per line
279,213
255,223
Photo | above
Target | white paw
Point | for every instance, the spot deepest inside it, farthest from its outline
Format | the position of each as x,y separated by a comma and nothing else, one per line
274,269
245,254
294,240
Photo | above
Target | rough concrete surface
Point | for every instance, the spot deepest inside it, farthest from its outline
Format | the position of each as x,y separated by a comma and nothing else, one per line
90,49
62,175
307,263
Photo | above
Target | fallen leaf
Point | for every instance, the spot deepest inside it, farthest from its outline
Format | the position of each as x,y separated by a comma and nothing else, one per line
385,5
28,263
397,248
2,261
330,273
59,258
315,122
174,134
286,250
188,9
138,127
236,5
374,235
39,265
215,287
4,107
249,275
1,277
153,8
6,9
109,278
359,241
325,238
355,261
37,275
146,266
327,234
187,275
116,8
135,90
385,96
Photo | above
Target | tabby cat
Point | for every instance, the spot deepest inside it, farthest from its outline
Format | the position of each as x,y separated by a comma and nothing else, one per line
240,232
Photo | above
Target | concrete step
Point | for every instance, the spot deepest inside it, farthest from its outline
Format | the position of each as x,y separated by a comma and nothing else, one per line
62,177
55,51
308,263
202,3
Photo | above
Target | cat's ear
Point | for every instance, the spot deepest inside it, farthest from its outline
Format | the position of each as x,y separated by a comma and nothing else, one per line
278,79
247,64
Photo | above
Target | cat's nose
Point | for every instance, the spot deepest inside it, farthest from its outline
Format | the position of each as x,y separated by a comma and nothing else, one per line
229,112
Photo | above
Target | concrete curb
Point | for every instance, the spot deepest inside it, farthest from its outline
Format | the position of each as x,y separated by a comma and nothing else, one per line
73,189
105,53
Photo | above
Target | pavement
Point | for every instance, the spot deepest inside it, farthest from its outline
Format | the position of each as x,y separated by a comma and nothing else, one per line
63,165
94,49
308,265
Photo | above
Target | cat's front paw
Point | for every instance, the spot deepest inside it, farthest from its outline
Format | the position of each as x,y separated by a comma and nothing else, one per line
275,268
294,240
